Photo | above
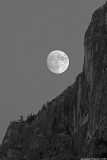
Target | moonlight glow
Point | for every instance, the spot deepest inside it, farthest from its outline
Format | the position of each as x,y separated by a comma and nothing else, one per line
57,61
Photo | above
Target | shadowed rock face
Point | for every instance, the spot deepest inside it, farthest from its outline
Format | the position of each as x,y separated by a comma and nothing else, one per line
74,124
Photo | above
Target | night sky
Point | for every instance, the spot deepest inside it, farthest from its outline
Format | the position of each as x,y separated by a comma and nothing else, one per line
29,31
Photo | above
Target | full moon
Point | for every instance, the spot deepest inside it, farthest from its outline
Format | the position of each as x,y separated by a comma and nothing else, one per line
57,61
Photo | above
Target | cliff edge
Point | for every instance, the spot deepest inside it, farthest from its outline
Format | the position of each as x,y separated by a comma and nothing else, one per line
74,124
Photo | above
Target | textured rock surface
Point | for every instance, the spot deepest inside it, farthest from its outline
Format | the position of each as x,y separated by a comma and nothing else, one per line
74,124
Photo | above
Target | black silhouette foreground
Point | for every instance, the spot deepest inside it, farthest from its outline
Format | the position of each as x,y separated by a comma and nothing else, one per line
74,124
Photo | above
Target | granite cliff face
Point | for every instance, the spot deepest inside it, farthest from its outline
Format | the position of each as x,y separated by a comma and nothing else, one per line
74,124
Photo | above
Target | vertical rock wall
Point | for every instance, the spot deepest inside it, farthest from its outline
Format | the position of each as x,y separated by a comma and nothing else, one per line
74,124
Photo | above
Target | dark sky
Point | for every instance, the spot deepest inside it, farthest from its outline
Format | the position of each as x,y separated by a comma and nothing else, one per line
29,31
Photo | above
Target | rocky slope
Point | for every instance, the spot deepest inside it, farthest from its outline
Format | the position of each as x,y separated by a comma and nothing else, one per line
74,124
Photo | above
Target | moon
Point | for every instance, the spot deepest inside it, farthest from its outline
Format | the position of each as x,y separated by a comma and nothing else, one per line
57,62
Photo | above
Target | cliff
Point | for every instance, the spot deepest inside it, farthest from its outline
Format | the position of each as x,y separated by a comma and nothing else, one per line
74,124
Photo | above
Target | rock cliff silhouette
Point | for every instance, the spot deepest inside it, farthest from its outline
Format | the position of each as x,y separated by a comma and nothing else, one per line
74,124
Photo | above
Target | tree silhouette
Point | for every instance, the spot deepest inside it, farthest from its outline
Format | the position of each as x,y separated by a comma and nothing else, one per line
44,107
30,118
21,119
